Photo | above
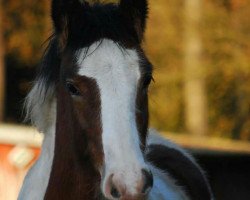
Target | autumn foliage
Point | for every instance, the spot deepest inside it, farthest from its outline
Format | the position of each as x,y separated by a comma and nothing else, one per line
224,31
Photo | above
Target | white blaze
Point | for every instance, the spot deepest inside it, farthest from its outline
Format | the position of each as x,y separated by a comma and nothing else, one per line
117,74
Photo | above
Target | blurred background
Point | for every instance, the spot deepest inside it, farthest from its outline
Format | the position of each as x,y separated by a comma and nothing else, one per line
200,50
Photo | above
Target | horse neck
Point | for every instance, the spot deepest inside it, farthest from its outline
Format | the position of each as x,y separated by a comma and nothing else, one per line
72,175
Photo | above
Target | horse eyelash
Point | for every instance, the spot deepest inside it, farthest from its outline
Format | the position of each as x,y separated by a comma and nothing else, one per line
138,110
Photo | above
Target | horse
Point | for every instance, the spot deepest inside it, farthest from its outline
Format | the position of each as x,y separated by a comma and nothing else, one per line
90,99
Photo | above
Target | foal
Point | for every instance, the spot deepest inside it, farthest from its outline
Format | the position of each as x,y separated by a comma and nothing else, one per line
90,101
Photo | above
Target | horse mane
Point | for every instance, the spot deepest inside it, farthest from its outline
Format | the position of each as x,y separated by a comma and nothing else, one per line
187,173
39,101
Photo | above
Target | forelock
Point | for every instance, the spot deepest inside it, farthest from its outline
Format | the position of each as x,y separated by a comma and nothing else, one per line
40,100
39,105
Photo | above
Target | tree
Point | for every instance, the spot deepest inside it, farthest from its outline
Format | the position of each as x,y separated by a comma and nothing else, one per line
2,70
27,26
195,95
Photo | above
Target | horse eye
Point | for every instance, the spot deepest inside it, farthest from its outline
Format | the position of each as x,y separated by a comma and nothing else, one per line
72,89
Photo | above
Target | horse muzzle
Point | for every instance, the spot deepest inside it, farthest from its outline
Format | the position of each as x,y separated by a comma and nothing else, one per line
115,186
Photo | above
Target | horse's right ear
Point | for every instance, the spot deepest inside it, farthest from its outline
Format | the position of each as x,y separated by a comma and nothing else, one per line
62,12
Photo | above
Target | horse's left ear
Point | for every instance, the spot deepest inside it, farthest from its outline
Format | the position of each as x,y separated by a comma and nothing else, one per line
135,11
62,13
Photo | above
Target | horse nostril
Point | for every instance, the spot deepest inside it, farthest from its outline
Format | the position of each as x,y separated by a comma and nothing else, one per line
148,181
115,193
115,186
112,189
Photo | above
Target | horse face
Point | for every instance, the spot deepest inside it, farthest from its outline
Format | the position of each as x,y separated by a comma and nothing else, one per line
106,74
109,96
